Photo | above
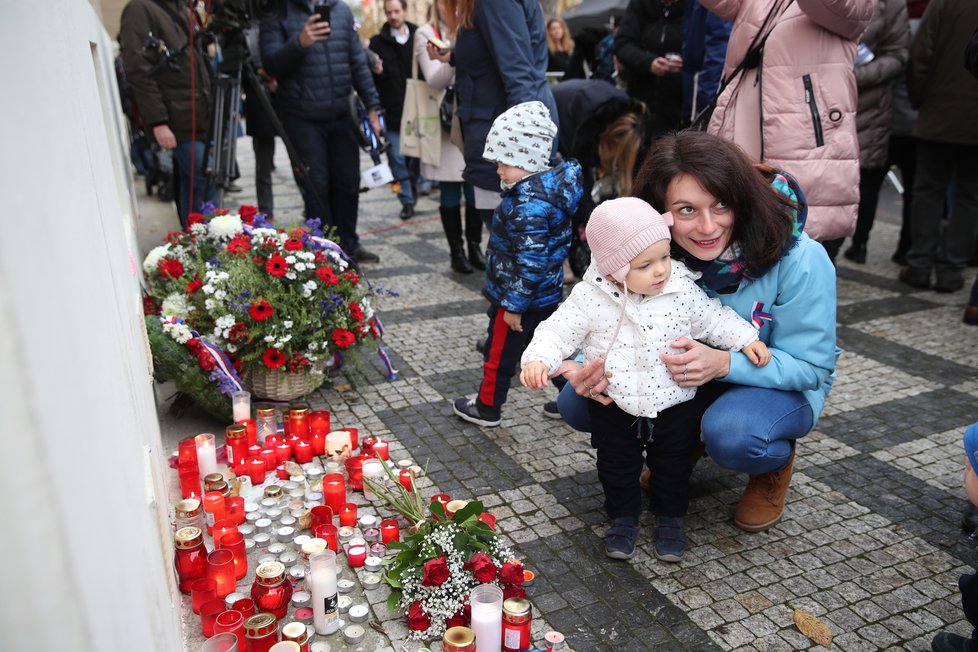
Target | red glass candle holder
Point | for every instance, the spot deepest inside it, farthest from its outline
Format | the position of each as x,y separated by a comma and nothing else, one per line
348,514
444,499
269,457
368,446
236,443
189,556
245,606
214,508
319,422
281,473
256,470
232,622
254,451
357,556
220,568
354,471
286,424
271,590
190,482
208,614
201,591
318,442
283,453
187,452
321,515
234,541
251,428
234,509
390,530
354,437
328,533
222,527
406,478
334,491
382,448
271,441
299,423
303,452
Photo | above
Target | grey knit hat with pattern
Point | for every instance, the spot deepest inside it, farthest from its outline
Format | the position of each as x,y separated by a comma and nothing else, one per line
522,136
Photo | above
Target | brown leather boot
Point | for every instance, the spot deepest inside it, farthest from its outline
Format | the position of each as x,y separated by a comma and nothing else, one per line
762,504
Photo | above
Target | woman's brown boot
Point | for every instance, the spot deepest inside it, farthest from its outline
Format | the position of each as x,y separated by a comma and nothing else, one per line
762,504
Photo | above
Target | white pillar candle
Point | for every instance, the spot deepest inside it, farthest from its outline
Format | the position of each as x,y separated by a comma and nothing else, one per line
206,453
322,584
487,617
336,441
240,405
373,469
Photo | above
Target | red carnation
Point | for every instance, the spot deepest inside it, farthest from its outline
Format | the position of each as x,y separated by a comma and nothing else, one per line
194,218
261,310
327,276
222,211
149,306
170,268
343,338
194,345
238,332
247,213
194,285
205,361
293,244
298,362
488,519
511,574
482,567
273,358
236,362
512,591
435,571
352,277
239,244
356,311
276,265
418,619
297,233
320,257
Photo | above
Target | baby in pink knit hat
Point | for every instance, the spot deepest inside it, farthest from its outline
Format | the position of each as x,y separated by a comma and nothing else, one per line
633,301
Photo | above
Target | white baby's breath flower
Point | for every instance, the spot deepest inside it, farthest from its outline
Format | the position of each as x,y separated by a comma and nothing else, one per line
285,340
287,323
224,227
269,338
210,304
220,294
225,321
175,305
153,258
313,346
198,228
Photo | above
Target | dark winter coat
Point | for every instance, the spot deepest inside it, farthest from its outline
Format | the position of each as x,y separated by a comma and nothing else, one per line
888,37
392,82
649,29
529,239
163,94
945,93
704,51
500,62
315,83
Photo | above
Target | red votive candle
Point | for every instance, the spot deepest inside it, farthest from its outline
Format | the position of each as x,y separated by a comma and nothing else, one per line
354,470
244,606
282,473
187,452
236,443
348,514
201,591
269,457
303,452
190,482
329,533
234,509
299,422
214,509
406,478
356,555
222,527
321,515
334,491
389,531
208,614
382,448
368,446
271,441
283,452
220,568
354,437
232,622
252,429
254,451
319,422
318,442
256,470
234,541
444,499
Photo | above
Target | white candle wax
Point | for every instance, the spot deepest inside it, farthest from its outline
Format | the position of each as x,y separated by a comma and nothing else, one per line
206,454
487,617
374,470
322,584
240,405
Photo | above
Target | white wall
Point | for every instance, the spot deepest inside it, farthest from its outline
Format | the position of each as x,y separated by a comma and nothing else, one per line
85,549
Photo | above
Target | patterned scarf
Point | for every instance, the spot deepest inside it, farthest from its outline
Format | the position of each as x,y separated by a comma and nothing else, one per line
724,274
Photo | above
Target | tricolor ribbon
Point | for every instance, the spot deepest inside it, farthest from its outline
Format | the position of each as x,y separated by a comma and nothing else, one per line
758,316
220,358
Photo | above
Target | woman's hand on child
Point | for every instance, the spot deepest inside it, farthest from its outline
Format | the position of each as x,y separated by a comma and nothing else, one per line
534,375
697,363
513,320
758,353
588,380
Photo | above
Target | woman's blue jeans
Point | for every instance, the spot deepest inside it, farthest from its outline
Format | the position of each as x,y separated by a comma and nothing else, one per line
745,429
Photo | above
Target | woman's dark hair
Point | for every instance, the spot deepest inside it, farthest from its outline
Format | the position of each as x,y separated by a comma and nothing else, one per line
763,218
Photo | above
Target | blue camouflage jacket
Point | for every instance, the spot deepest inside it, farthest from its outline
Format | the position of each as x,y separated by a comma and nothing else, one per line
530,237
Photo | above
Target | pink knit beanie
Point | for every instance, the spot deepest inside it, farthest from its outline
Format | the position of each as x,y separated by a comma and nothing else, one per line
620,229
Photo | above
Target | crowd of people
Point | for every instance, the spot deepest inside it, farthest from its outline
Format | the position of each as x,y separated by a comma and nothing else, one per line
701,163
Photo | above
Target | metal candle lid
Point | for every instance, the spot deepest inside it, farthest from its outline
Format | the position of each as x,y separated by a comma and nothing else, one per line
260,625
270,573
188,537
187,508
235,431
273,491
212,477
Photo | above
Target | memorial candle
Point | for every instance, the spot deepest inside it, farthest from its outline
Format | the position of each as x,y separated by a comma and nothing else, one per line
373,470
256,470
354,437
272,441
269,457
367,447
236,444
406,478
283,453
348,514
266,423
187,452
354,470
389,530
190,482
338,442
299,422
357,556
252,430
302,452
486,602
322,585
240,405
214,508
319,422
334,491
220,528
206,454
220,568
328,533
382,448
318,442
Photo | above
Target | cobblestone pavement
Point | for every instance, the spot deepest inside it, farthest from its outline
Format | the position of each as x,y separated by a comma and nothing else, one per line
870,542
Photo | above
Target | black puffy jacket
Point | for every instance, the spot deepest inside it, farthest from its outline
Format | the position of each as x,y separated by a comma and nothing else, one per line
315,83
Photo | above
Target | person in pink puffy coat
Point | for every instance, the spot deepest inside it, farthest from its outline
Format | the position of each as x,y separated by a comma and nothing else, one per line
793,104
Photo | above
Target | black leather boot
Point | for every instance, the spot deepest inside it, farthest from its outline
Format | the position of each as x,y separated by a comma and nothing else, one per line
451,221
473,234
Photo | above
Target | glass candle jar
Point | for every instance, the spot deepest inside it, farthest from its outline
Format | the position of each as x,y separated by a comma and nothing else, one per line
209,611
251,429
234,541
214,509
271,590
201,591
318,442
348,514
261,632
299,422
240,405
334,491
222,643
354,437
266,423
354,471
222,527
328,533
458,639
382,448
220,568
255,467
302,452
234,509
356,556
206,453
389,530
188,513
189,556
189,481
231,622
236,444
297,633
367,447
516,624
319,422
406,478
268,456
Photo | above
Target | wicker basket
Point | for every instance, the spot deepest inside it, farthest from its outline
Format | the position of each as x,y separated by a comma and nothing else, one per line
279,385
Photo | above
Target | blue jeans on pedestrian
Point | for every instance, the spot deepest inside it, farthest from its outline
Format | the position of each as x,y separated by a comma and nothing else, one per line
330,150
738,434
202,191
399,168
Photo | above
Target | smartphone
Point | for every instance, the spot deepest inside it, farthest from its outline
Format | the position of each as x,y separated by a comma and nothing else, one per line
323,10
438,43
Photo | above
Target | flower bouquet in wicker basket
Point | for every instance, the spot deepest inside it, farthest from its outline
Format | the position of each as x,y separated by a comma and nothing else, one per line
275,308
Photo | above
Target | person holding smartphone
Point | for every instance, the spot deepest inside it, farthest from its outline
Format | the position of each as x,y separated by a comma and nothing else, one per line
315,55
